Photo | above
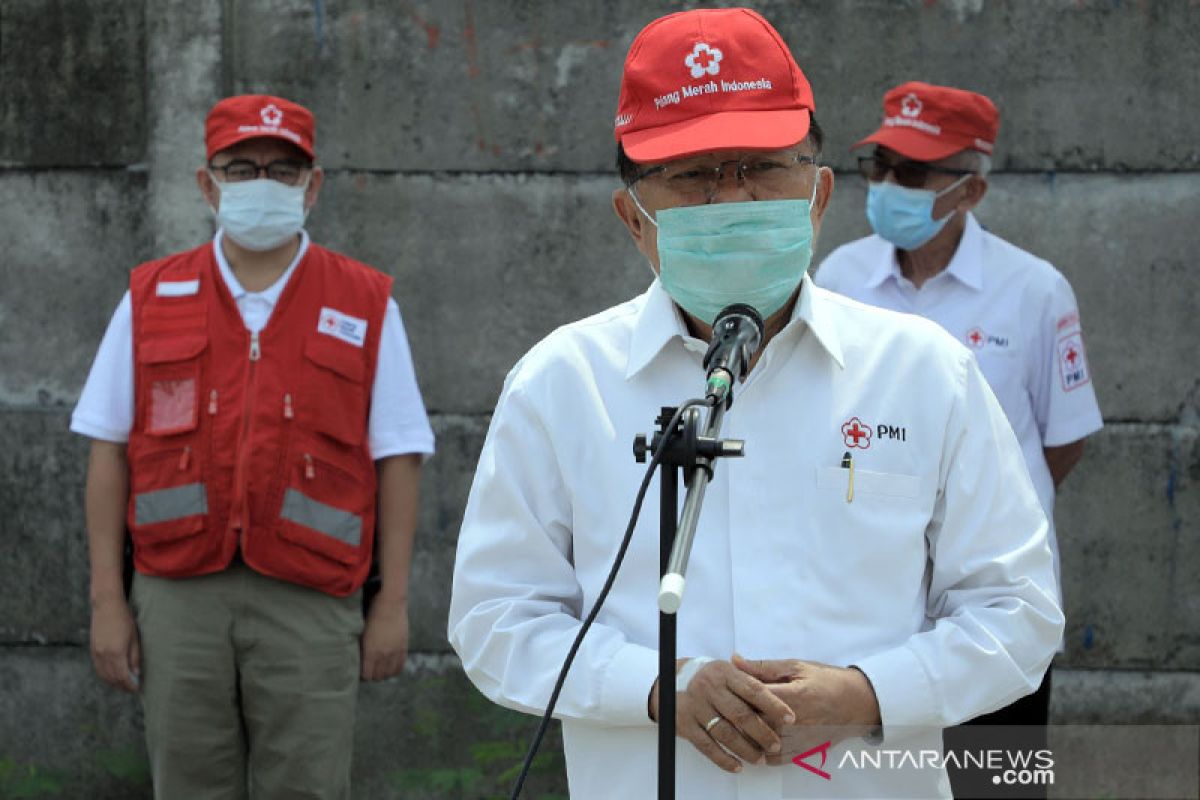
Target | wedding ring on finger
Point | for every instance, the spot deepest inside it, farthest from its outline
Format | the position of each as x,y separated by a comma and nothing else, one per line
712,723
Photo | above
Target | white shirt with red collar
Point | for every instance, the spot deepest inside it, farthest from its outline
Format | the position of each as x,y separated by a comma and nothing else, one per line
933,576
1015,312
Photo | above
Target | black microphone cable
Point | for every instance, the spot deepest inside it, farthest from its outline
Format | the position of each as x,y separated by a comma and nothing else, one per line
608,584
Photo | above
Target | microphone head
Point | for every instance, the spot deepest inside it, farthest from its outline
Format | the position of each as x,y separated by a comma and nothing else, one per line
740,310
737,333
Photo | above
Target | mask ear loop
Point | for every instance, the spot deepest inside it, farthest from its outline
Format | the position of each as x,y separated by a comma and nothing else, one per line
213,177
961,180
637,202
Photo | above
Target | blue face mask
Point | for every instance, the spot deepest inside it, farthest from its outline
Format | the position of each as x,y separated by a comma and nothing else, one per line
904,216
752,252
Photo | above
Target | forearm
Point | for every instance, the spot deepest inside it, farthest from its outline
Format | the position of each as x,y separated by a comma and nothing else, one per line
1061,460
399,485
106,497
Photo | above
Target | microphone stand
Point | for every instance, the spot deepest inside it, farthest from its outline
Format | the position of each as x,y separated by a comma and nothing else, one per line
688,450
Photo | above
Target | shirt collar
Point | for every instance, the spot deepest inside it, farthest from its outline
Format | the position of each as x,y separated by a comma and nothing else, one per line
812,309
272,292
886,265
966,265
659,321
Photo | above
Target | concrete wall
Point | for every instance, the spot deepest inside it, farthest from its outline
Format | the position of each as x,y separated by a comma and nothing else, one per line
469,149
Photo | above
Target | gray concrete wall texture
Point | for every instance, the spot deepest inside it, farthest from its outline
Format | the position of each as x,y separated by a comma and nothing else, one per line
469,150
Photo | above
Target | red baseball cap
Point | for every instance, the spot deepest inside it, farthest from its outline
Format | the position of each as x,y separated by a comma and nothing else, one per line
253,116
710,79
927,123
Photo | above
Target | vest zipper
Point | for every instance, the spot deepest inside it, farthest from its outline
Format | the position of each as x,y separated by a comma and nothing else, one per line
185,458
310,471
288,413
242,504
212,403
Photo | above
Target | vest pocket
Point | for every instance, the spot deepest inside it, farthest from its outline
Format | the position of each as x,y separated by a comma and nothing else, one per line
324,511
170,389
169,499
334,400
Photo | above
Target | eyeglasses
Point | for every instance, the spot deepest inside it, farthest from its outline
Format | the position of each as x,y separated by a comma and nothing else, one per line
287,171
697,181
911,174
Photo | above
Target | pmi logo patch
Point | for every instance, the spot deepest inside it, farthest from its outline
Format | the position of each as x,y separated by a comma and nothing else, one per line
856,433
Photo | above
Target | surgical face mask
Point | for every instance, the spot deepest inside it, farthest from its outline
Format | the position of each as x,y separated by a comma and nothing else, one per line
753,252
261,214
904,216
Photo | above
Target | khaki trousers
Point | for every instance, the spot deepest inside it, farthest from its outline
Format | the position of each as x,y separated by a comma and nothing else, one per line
249,686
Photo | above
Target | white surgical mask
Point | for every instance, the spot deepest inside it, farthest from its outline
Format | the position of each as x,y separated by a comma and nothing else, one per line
261,214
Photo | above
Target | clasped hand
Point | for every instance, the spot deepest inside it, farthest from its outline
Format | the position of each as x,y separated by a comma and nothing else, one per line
757,712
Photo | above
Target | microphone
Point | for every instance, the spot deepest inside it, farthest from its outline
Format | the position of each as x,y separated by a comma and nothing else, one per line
737,335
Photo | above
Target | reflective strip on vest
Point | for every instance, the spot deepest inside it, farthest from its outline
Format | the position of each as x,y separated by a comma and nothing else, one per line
165,505
303,510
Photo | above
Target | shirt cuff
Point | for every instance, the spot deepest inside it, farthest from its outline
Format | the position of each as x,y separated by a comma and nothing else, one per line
627,683
93,431
1072,431
386,448
903,690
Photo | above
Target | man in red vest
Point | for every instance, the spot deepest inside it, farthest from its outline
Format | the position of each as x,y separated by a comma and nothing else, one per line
258,430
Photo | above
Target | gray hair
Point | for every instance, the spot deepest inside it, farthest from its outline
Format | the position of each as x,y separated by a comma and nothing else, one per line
973,160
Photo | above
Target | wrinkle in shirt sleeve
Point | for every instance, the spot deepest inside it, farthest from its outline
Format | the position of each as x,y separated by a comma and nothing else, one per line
995,622
516,604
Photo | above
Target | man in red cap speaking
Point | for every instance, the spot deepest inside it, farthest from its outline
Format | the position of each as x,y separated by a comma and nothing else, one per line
257,429
1014,311
877,561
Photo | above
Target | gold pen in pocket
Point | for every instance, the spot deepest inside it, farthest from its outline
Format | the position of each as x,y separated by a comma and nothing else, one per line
848,464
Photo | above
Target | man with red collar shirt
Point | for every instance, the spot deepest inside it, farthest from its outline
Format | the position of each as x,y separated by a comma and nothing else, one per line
258,430
876,562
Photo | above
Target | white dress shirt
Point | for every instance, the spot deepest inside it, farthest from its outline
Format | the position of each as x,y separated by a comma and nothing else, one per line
1019,317
397,423
935,579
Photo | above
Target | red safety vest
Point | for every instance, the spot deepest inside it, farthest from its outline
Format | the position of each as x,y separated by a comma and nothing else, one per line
255,443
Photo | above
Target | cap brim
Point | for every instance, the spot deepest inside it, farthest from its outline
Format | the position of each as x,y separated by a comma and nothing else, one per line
916,145
728,130
230,141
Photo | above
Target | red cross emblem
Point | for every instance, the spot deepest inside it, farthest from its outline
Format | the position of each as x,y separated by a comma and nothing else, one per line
703,60
856,434
271,115
976,338
910,106
329,322
1072,362
823,749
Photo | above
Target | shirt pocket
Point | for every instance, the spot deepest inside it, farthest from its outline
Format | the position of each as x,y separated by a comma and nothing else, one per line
170,391
867,483
871,539
333,399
